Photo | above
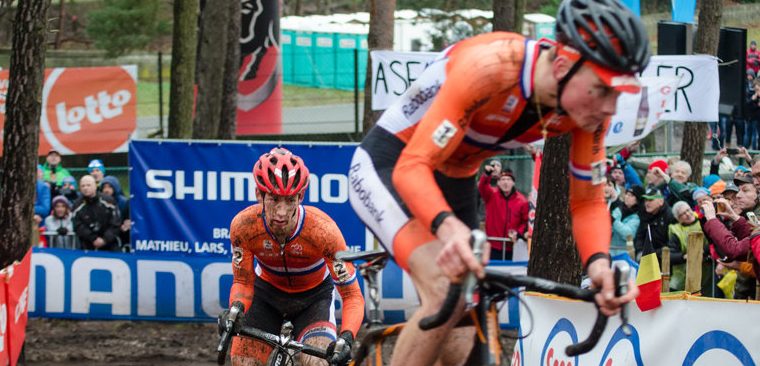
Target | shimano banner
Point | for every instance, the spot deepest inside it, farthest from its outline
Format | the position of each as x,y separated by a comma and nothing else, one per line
185,194
76,284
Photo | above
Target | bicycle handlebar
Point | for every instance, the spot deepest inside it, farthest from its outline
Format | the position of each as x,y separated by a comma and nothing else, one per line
503,279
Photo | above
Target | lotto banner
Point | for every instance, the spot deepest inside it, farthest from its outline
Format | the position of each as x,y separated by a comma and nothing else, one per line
76,284
84,109
14,291
685,330
185,194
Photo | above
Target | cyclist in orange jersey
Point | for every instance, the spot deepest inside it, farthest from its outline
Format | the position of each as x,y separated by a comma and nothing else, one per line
284,265
412,178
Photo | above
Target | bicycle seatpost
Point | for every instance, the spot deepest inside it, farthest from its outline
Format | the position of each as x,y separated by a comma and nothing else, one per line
478,241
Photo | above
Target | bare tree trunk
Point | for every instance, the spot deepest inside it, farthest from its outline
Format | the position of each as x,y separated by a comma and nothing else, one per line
298,9
553,254
59,34
227,123
503,15
22,129
380,37
182,91
210,73
695,133
518,15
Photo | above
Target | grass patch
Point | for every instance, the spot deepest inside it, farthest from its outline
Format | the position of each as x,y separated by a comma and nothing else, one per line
292,96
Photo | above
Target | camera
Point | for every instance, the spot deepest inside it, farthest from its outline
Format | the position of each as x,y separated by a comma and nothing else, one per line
732,151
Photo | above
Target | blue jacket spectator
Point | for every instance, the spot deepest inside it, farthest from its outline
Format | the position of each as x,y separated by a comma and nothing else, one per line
42,199
625,219
97,170
110,187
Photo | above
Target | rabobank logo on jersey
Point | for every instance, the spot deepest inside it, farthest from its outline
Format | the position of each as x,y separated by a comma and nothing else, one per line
184,194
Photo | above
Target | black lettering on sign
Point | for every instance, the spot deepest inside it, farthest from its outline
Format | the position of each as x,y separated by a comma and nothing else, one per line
679,71
381,77
400,76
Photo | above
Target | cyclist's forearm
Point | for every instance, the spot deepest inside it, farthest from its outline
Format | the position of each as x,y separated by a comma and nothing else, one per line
353,308
243,293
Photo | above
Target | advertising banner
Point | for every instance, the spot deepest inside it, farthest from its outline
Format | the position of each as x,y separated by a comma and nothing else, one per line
393,73
684,331
260,77
14,291
85,110
695,98
97,285
185,194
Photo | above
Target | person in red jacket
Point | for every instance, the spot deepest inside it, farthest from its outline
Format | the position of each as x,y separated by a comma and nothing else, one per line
753,57
506,212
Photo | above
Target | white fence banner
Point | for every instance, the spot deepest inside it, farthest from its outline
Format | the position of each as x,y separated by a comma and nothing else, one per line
638,114
698,93
695,99
685,331
393,73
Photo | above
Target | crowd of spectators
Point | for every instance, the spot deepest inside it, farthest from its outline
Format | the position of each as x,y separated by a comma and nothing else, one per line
90,215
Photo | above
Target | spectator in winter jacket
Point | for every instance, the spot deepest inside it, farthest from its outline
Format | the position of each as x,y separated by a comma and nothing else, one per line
42,198
53,171
677,182
111,189
753,57
69,189
96,220
59,227
617,176
506,212
679,234
655,219
625,219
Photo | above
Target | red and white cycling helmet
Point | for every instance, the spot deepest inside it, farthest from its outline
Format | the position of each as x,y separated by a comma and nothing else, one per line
280,172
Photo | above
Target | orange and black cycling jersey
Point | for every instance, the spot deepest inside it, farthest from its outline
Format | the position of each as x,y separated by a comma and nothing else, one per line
301,264
481,90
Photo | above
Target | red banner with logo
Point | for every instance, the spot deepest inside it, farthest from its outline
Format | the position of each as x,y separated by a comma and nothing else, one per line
84,109
260,78
14,299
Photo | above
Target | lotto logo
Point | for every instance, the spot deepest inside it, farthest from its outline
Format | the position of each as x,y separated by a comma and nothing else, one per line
99,103
84,110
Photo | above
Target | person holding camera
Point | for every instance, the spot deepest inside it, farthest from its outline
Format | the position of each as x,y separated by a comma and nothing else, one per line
53,172
96,219
655,219
506,210
59,225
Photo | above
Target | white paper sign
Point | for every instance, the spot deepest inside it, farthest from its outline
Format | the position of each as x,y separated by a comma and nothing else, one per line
636,117
393,73
698,93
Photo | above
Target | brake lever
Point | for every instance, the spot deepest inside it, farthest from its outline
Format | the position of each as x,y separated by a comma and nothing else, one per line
478,240
622,274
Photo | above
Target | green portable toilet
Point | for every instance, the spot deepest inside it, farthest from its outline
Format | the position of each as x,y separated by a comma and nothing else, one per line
345,45
323,51
288,49
303,62
363,57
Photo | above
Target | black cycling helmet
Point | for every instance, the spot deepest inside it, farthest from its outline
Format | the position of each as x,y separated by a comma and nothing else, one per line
605,32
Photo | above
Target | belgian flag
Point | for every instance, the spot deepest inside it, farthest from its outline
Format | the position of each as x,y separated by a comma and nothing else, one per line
649,279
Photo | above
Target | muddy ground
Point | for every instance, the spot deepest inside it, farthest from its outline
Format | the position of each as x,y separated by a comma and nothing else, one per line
56,342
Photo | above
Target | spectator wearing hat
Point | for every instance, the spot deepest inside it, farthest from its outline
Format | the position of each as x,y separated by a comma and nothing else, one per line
655,219
111,189
678,233
678,181
59,226
617,176
699,196
717,188
97,170
625,219
506,212
42,198
69,189
729,193
53,171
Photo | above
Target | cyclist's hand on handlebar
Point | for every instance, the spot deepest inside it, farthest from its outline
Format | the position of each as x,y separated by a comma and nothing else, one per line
602,278
456,259
341,349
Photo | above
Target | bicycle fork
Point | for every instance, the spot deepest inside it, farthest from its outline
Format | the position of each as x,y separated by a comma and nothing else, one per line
485,317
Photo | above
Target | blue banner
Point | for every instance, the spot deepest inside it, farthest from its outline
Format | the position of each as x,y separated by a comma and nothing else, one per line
184,194
683,10
76,284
